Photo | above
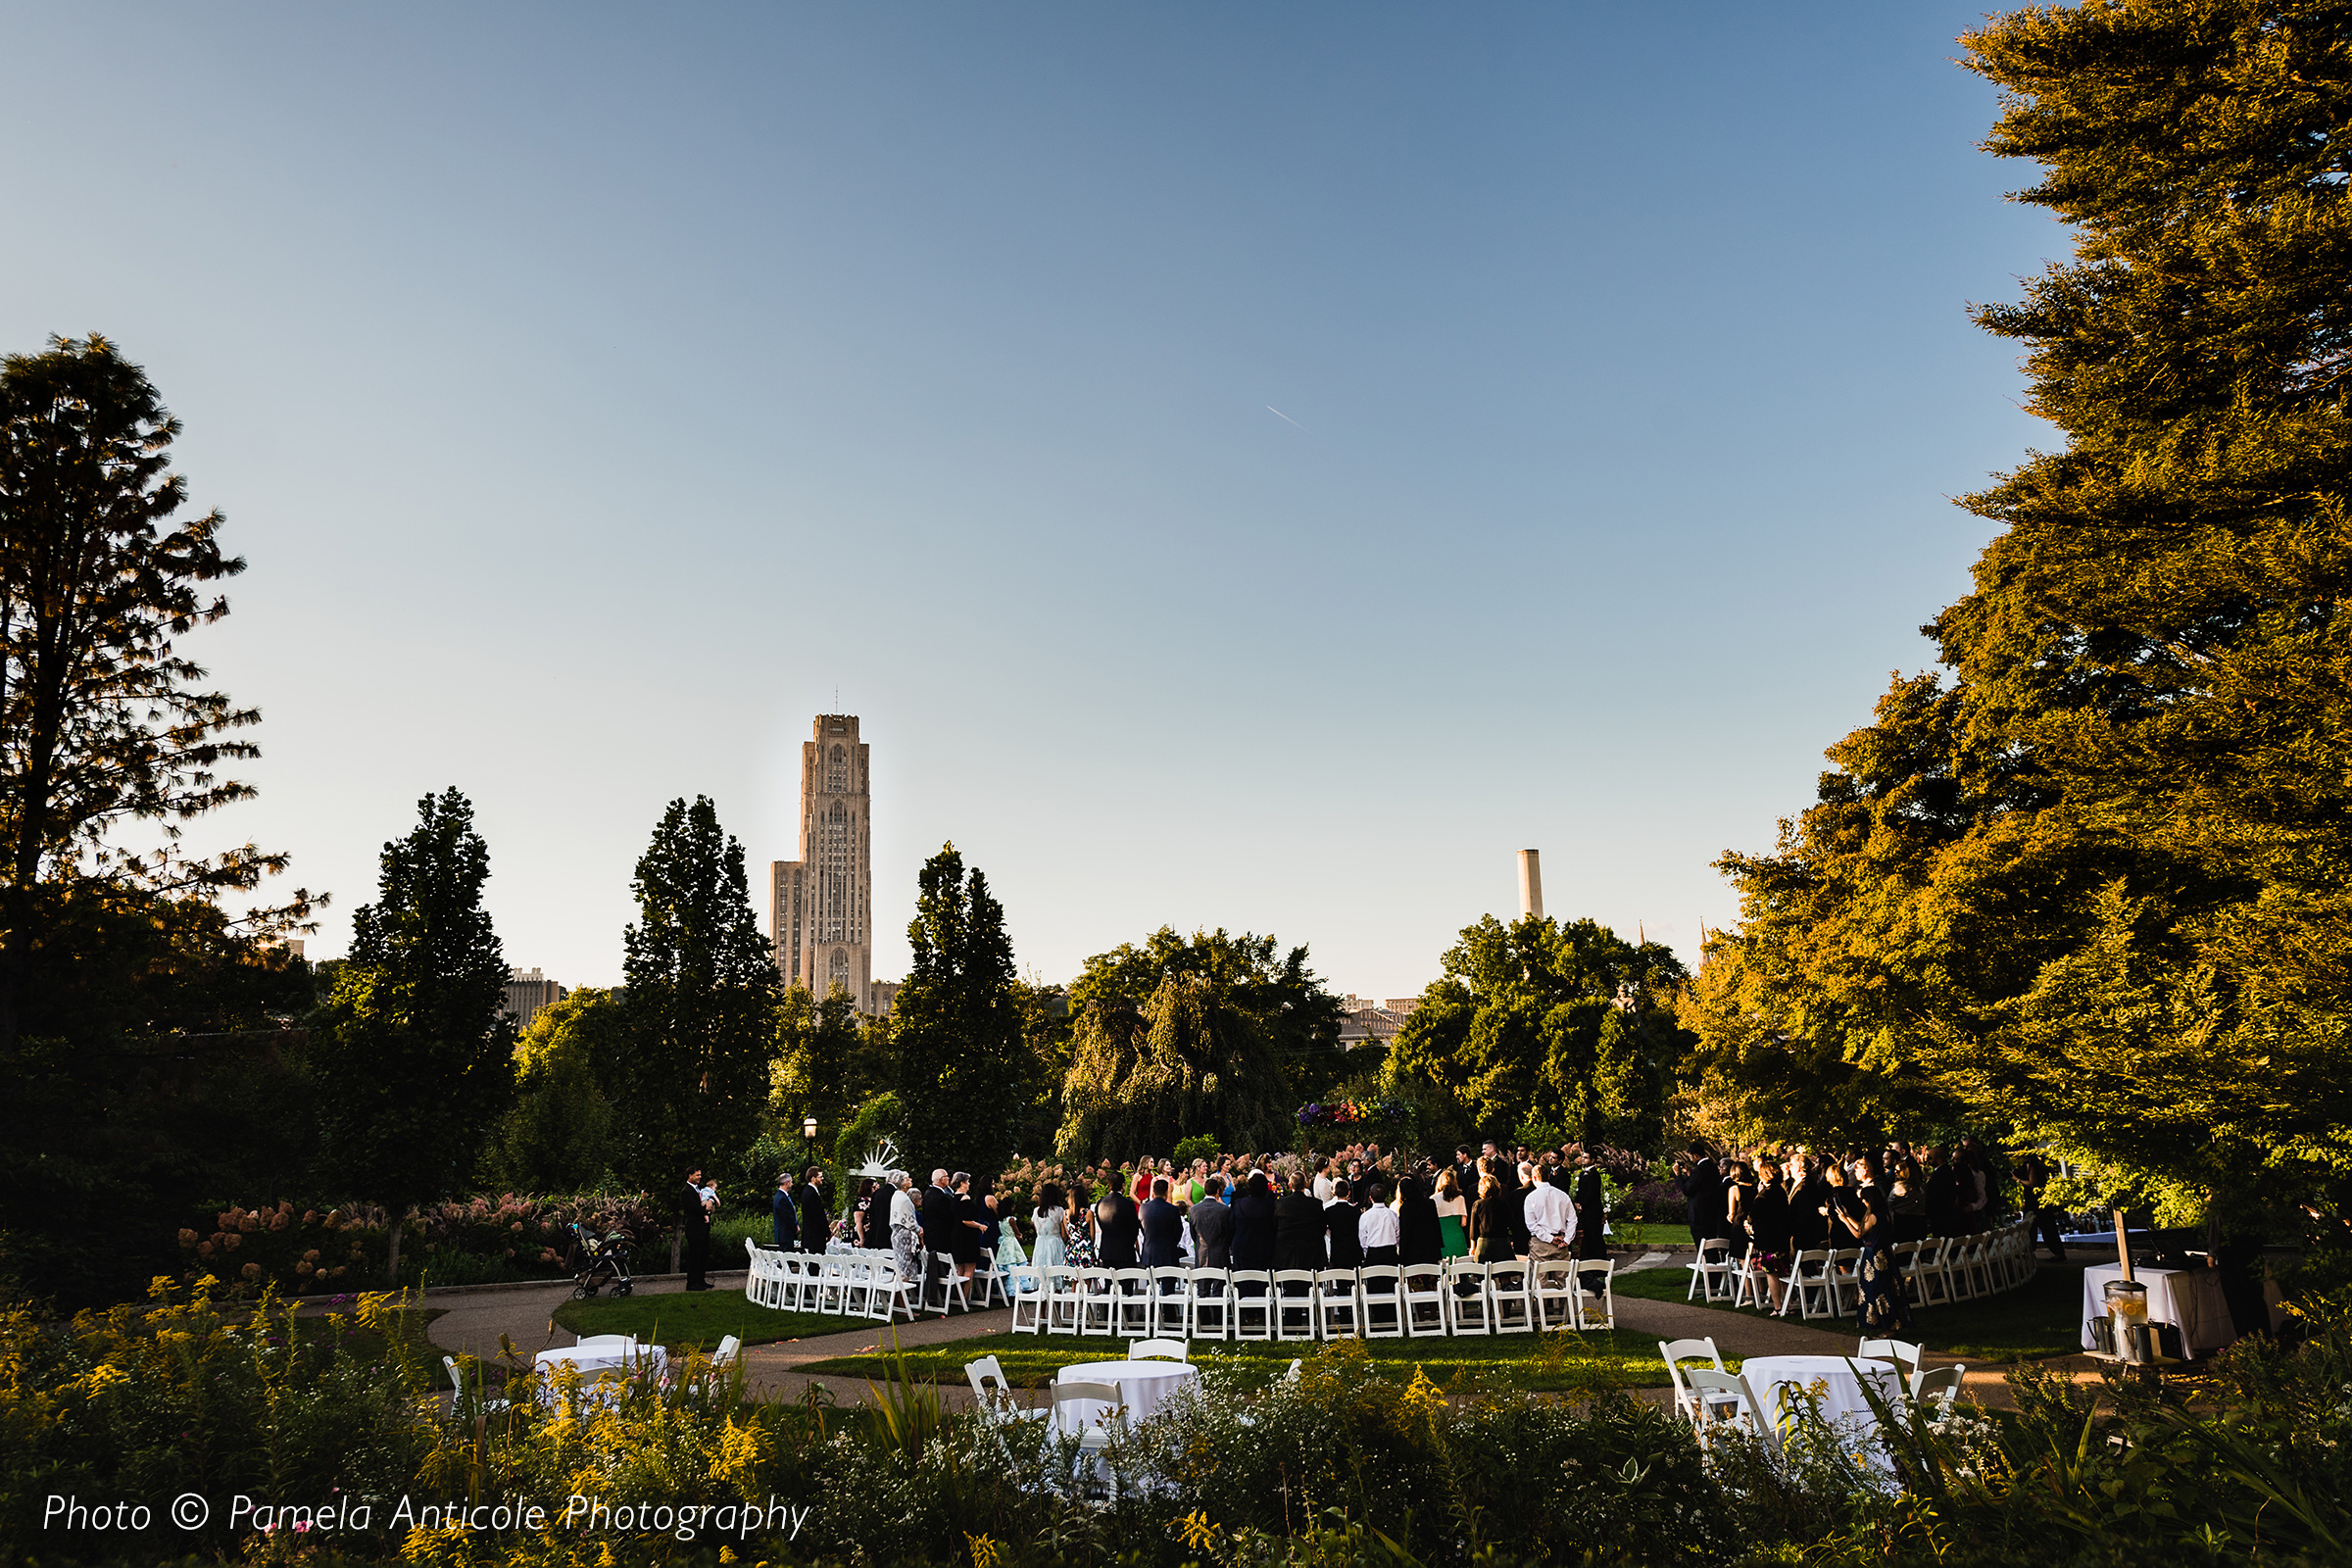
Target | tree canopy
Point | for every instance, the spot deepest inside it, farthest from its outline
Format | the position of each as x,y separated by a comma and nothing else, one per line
2095,882
412,1049
1188,1036
957,1026
1561,1024
701,986
103,719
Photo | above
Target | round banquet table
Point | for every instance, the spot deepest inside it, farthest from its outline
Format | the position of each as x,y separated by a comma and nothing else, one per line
1841,1400
1146,1384
598,1363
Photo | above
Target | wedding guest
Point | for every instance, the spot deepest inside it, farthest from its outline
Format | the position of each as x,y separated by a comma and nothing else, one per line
1591,1209
1453,1215
783,1217
1377,1229
1418,1236
694,1218
1341,1245
1490,1228
1213,1227
906,1228
1297,1227
1254,1225
816,1211
1050,1220
1162,1228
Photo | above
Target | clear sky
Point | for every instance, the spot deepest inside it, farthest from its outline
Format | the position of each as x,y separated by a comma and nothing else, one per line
597,390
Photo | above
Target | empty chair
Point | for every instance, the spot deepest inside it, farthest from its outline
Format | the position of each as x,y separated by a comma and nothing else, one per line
607,1342
1252,1303
1940,1387
857,1298
1902,1352
1930,1280
1596,1294
1082,1409
832,1285
1674,1353
1380,1301
1712,1272
1720,1400
1131,1297
1338,1305
1158,1350
1171,1311
1424,1302
991,1390
1097,1303
1509,1299
1294,1304
988,1282
887,1294
1028,1299
1468,1310
1210,1305
1064,1299
457,1383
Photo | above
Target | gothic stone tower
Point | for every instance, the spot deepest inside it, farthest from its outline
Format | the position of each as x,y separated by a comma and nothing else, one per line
823,901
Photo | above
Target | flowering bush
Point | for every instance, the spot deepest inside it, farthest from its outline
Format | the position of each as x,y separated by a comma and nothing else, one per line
309,1251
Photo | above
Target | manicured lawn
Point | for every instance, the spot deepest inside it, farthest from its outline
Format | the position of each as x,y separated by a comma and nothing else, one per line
703,1318
1539,1363
1641,1234
2043,1317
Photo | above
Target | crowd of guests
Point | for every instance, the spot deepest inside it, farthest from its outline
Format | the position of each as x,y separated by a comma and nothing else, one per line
1348,1210
1769,1205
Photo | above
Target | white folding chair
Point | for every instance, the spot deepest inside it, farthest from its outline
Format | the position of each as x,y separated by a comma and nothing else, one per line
1712,1272
1252,1309
1751,1284
1380,1299
951,1290
457,1383
1508,1299
1846,1279
992,1392
1338,1305
1940,1387
1721,1401
1028,1299
1902,1353
1468,1310
1171,1304
887,1294
1931,1281
1065,1299
1132,1294
1596,1293
1209,1304
1674,1353
1098,1304
1158,1350
1295,1304
988,1283
1424,1303
832,1285
729,1347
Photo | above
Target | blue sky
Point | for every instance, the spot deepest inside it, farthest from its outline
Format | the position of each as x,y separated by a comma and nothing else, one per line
595,391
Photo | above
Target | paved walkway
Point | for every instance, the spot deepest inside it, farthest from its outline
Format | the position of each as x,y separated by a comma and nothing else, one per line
474,1320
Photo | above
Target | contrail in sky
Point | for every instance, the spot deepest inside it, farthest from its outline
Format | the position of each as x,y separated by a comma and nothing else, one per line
1283,417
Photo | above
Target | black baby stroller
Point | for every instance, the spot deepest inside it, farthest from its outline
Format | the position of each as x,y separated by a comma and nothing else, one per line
598,1262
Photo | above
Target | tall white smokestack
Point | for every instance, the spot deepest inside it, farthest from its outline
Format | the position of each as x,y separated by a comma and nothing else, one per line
1531,885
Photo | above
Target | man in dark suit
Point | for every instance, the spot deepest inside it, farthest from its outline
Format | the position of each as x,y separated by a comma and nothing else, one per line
1703,1190
1213,1227
816,1211
1591,1208
694,1218
941,1217
1163,1228
1297,1228
1122,1228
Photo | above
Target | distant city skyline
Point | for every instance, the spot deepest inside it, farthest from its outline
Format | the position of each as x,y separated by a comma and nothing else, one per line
598,391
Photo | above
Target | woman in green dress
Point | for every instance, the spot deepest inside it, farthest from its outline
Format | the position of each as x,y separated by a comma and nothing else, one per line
1453,1217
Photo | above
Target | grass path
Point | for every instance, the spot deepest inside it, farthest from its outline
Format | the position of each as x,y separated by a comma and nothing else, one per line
677,1320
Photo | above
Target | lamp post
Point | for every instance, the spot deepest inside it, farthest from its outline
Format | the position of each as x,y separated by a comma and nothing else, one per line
809,1131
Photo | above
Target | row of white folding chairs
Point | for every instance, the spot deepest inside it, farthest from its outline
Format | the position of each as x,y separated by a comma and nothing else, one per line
1377,1302
861,1282
1822,1282
986,1285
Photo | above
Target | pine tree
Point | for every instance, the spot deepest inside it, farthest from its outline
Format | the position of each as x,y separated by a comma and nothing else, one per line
956,1026
2099,884
702,994
412,1049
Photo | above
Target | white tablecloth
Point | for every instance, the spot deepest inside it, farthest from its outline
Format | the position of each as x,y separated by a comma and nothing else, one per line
598,1363
1841,1399
2191,1298
1146,1384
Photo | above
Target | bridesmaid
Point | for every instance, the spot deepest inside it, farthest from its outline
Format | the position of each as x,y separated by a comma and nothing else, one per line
1453,1217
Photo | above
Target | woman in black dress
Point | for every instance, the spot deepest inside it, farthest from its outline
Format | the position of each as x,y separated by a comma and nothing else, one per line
1418,1239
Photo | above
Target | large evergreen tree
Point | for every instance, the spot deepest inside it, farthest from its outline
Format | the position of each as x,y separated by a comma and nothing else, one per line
2097,883
102,716
958,1024
412,1049
701,993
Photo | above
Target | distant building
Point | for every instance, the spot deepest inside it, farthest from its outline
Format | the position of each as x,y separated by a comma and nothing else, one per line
1403,1006
822,905
885,994
1365,1022
529,994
